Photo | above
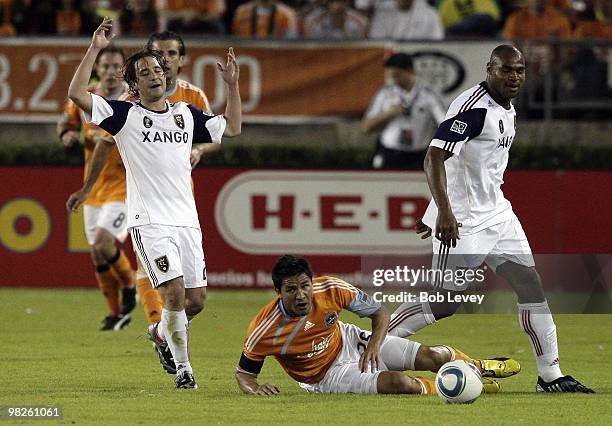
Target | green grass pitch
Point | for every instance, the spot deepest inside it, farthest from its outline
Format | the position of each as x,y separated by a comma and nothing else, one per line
53,354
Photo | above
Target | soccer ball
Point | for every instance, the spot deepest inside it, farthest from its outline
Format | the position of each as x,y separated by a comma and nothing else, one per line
459,382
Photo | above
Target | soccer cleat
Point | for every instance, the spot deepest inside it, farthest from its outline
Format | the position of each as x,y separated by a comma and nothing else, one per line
562,384
128,300
185,380
499,367
115,323
162,349
490,386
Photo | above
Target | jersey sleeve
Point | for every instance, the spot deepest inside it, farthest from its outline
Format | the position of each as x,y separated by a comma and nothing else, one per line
459,128
109,115
206,128
346,296
363,304
253,353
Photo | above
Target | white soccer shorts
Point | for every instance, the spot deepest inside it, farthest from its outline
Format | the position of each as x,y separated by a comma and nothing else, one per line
109,216
494,245
168,252
344,376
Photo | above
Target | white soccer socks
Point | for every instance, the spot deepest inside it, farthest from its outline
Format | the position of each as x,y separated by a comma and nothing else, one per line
537,321
174,327
409,318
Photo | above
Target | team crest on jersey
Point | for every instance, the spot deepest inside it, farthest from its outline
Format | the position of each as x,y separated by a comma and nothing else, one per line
178,119
501,126
147,122
331,319
458,127
162,263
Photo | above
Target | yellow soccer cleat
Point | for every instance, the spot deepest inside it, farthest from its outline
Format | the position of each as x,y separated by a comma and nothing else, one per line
490,386
499,367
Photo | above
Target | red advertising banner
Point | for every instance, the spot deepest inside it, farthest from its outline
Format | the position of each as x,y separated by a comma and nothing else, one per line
251,217
276,80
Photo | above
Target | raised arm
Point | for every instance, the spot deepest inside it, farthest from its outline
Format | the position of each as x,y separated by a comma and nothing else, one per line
248,384
77,91
233,109
98,161
447,229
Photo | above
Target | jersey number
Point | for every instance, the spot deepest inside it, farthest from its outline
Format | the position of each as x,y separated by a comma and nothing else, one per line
365,338
117,222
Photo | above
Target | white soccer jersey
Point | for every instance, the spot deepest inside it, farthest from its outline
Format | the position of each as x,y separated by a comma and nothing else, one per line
479,133
155,149
411,131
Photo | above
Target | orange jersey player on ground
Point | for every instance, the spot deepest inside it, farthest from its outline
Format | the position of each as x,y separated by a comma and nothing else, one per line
300,328
105,209
172,47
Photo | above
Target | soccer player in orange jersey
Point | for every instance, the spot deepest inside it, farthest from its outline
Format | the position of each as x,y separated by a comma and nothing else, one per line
300,328
105,209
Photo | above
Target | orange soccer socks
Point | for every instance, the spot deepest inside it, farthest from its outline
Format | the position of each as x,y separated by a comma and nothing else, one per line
457,354
109,284
122,267
428,387
150,299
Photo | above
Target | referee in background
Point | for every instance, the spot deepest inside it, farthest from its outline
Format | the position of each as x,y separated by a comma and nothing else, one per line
405,113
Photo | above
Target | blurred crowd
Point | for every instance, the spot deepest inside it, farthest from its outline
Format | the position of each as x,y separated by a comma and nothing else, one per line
316,19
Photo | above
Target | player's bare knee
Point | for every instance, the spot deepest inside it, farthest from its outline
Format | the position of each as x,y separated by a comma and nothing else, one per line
195,300
192,308
431,358
173,294
390,382
96,257
104,243
97,250
443,309
524,280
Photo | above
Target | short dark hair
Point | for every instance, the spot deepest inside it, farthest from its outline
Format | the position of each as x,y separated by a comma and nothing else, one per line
112,49
167,35
289,266
400,60
129,73
504,49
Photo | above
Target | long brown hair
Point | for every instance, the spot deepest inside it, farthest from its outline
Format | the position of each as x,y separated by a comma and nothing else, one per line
130,74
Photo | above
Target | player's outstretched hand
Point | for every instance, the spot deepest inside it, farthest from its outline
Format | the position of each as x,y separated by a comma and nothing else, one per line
267,390
369,358
231,71
421,228
70,138
75,200
447,228
102,36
